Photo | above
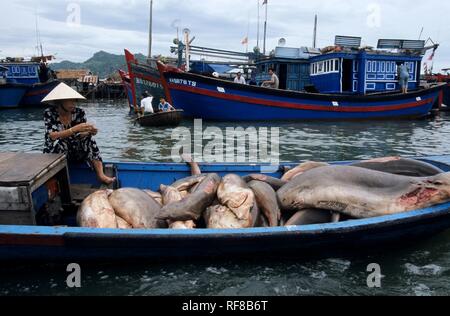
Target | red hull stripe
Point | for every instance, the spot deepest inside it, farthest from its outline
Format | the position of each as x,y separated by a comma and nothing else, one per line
40,92
296,106
26,240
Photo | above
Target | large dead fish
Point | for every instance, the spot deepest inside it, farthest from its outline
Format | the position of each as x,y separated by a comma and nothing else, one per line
400,166
266,199
155,195
363,193
221,217
136,207
171,195
311,217
193,206
97,212
302,168
275,183
186,184
235,194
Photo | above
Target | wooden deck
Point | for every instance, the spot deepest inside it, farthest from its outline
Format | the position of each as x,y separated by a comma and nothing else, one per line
21,175
17,169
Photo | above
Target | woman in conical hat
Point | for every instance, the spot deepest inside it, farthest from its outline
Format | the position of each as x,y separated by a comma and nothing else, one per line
67,130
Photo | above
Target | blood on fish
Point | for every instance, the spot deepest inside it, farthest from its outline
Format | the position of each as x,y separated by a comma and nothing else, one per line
418,196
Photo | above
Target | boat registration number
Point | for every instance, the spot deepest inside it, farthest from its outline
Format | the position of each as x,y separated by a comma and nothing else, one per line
184,82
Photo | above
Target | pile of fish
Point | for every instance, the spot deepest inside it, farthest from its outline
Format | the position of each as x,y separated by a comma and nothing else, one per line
312,193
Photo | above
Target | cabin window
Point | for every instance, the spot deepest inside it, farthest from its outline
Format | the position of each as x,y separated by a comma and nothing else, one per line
369,66
370,86
374,66
383,66
390,86
320,67
355,66
336,65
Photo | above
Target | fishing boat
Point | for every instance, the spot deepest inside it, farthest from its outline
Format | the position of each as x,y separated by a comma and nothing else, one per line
37,92
10,94
172,119
22,85
444,79
213,99
342,82
62,243
126,82
144,78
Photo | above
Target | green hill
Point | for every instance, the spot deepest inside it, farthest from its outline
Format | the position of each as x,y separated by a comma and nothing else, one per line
102,64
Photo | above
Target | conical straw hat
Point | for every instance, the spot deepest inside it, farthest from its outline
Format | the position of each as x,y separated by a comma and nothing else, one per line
63,92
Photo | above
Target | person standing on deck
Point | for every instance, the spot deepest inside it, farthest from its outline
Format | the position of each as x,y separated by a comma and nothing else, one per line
403,77
165,106
67,131
274,82
240,79
146,104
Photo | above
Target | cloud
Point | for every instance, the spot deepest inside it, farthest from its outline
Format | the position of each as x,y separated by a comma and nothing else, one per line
112,25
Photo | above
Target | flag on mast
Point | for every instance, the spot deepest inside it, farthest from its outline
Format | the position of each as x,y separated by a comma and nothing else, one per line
245,41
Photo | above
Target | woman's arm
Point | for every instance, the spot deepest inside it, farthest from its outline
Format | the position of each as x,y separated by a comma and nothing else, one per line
62,135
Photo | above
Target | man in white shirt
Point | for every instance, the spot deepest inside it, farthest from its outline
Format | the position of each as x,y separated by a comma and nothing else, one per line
240,79
146,104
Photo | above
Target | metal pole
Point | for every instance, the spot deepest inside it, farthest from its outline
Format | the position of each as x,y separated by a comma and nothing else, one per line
186,39
257,40
150,36
265,28
315,33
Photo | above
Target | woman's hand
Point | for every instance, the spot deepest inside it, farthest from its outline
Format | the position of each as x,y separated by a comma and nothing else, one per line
85,129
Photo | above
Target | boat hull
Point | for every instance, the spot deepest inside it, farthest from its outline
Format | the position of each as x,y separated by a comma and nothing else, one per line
53,244
62,244
213,99
173,118
11,95
37,92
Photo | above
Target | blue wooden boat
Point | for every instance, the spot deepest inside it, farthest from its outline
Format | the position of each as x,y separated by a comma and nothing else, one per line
37,92
11,94
214,99
51,244
22,85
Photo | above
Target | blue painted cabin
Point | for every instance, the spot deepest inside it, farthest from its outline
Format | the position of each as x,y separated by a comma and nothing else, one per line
291,65
362,72
21,72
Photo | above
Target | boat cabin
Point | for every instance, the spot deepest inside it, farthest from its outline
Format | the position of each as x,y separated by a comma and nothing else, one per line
347,68
21,72
290,64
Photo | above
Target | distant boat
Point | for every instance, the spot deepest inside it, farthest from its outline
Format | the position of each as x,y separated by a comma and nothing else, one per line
173,118
126,82
214,99
144,78
342,82
21,84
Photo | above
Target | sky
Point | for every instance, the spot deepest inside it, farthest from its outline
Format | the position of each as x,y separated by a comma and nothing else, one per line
76,29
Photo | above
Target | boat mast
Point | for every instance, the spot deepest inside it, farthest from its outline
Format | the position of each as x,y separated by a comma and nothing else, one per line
39,47
259,25
315,33
265,26
150,35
